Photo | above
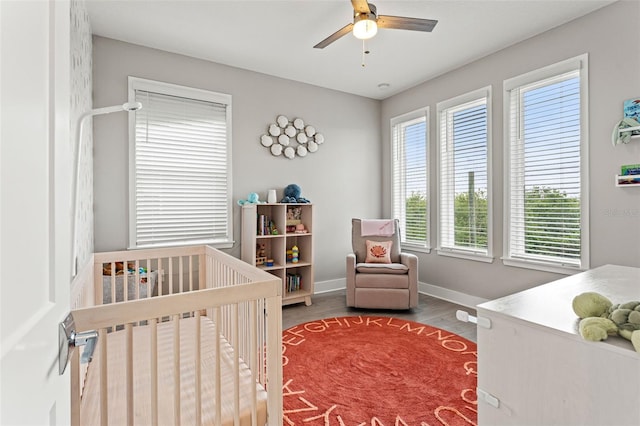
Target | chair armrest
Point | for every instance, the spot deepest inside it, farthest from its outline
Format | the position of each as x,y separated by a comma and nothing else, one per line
411,262
351,279
351,261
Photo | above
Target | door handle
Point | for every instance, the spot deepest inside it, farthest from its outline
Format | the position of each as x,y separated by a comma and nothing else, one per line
69,339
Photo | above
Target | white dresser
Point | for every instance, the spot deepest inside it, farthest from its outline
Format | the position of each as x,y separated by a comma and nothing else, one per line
534,368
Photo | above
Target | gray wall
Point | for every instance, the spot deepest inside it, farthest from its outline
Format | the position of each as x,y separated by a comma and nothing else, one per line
614,70
342,178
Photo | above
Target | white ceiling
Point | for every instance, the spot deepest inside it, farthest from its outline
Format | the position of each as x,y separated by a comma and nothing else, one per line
277,37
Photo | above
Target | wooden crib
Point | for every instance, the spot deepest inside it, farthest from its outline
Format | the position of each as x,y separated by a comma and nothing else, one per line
194,337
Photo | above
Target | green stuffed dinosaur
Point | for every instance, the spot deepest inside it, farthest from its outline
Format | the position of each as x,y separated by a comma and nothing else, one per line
600,318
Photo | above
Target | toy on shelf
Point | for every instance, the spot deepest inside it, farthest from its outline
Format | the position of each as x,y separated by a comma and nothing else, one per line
292,195
261,254
252,198
295,254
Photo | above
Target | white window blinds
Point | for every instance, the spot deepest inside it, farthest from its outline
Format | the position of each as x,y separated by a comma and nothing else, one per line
409,176
464,181
544,198
181,171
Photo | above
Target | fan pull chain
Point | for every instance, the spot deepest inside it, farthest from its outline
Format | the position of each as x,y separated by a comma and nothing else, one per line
364,52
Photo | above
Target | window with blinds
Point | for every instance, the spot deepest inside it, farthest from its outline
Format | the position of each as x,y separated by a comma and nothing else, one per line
546,169
180,166
464,186
409,177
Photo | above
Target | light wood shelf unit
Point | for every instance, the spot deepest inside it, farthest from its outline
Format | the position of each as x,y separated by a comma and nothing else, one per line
276,246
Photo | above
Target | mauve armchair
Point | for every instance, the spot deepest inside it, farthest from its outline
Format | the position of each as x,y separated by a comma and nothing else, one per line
379,285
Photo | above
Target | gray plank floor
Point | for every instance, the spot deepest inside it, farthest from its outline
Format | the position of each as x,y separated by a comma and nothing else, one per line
430,310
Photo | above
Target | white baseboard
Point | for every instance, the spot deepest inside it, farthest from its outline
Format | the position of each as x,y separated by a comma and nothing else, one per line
429,289
450,295
330,285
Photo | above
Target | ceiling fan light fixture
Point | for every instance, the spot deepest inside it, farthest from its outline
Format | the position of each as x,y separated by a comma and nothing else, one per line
364,26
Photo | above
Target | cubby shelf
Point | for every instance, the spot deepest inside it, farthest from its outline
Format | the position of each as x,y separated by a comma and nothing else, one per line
276,245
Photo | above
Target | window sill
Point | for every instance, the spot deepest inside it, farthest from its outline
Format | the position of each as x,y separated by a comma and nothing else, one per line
477,257
405,247
214,244
542,266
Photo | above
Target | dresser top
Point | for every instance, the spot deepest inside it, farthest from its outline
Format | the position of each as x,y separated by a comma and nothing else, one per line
550,305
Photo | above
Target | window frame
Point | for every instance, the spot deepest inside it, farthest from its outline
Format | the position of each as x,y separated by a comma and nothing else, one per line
421,113
136,83
580,64
442,108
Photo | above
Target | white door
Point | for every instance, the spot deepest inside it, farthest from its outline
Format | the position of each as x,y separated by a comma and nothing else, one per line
35,237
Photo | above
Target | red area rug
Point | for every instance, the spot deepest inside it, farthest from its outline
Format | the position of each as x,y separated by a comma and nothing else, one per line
377,371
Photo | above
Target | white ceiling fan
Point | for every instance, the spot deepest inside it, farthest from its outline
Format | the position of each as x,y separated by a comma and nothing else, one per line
366,22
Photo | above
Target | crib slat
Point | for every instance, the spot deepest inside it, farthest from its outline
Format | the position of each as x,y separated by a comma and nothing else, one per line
170,275
154,371
149,278
253,361
236,364
137,282
176,368
198,370
128,369
104,409
113,282
191,273
160,276
180,271
217,394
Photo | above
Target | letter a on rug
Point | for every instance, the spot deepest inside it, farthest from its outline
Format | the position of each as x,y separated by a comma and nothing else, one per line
377,371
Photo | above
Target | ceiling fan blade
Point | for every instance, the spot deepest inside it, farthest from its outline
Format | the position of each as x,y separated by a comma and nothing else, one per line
403,23
361,6
333,37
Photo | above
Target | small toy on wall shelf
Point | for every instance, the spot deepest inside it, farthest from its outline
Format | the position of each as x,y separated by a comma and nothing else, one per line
252,198
292,195
600,318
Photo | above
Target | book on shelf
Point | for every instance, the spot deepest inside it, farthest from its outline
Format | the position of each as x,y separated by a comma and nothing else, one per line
266,226
294,282
630,169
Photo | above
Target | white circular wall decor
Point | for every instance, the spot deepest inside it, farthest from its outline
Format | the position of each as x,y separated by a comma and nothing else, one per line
291,138
290,131
276,149
283,140
289,152
302,138
274,130
282,121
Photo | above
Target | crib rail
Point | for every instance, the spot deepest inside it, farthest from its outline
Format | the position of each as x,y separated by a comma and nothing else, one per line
193,283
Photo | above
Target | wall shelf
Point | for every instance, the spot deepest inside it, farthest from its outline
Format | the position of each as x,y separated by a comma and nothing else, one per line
627,181
630,129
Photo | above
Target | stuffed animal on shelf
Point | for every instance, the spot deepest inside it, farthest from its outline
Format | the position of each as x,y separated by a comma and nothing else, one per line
292,195
600,318
252,198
